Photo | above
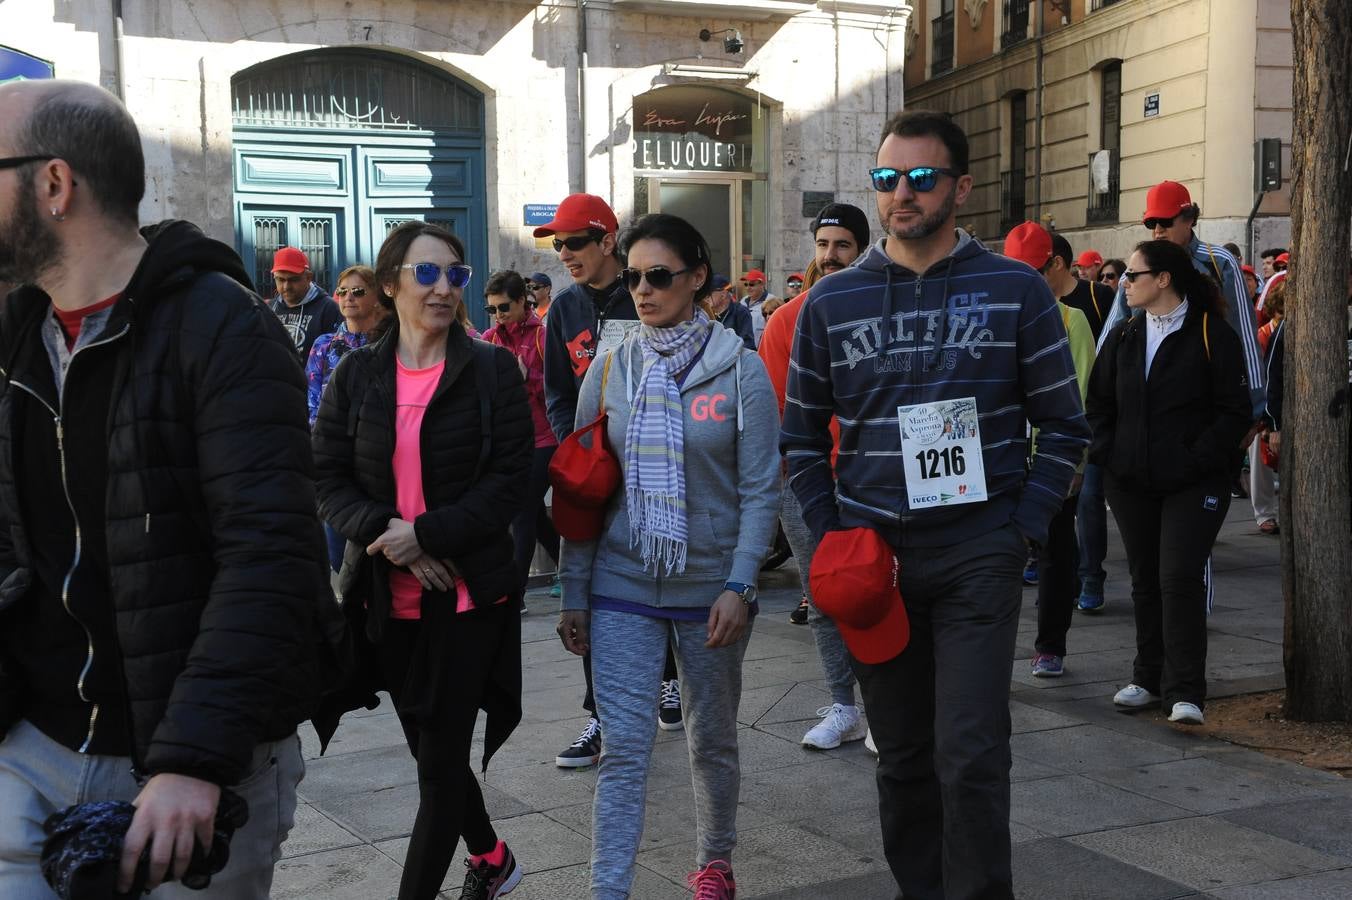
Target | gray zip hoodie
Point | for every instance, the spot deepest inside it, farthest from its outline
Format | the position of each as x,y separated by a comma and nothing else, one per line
732,481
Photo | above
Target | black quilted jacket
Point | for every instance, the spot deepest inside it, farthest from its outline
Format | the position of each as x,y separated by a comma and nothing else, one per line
215,559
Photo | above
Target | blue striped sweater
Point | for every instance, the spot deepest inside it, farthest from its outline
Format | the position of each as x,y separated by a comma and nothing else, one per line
878,336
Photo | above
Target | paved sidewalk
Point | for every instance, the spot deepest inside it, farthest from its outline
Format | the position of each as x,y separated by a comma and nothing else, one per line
1105,805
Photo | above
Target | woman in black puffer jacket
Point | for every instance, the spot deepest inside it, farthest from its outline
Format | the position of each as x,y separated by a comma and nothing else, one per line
423,449
1169,406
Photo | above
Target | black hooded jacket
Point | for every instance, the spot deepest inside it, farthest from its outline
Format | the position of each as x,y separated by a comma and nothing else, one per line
197,564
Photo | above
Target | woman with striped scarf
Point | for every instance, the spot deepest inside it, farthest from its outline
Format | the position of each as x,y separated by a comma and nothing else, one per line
693,421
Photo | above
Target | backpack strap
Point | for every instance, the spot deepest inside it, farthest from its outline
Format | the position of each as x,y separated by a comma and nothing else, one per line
1065,314
605,376
1215,266
486,383
1206,339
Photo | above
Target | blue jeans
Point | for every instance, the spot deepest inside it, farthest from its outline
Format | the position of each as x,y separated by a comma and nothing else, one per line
38,777
1091,527
337,544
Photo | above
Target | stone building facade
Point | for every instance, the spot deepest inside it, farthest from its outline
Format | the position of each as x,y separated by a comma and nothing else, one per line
1077,108
323,123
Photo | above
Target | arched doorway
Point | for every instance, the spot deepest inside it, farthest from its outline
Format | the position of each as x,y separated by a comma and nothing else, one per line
333,148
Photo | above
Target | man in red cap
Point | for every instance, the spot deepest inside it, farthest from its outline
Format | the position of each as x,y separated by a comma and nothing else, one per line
1171,215
933,354
1089,263
303,306
755,299
1058,583
590,316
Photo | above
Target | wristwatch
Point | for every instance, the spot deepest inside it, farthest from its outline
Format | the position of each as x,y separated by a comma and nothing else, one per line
746,592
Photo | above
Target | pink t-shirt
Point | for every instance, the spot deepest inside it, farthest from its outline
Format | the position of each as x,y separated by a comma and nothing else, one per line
413,390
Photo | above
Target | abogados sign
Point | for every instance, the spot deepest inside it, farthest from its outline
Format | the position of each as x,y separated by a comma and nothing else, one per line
694,130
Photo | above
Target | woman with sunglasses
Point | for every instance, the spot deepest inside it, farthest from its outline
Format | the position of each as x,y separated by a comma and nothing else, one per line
1169,404
1111,273
422,456
518,328
692,419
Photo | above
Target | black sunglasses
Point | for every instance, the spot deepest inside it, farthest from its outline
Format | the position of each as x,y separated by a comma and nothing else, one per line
1152,224
426,273
659,277
356,292
13,162
499,307
1108,275
922,179
576,242
1132,276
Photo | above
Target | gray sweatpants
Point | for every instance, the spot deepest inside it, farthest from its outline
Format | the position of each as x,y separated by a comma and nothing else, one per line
627,654
835,658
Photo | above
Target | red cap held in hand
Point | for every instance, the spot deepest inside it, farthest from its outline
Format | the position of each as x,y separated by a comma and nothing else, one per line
854,582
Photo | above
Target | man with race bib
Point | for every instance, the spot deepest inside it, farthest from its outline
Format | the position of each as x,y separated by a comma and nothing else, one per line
931,351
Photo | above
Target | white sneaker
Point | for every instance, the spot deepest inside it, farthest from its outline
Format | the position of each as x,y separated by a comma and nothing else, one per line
1133,696
869,745
840,725
1187,714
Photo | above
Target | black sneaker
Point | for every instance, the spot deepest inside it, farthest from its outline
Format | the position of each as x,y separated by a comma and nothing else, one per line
484,881
585,751
799,615
669,708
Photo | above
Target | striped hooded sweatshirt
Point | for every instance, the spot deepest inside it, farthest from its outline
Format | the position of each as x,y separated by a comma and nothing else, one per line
877,336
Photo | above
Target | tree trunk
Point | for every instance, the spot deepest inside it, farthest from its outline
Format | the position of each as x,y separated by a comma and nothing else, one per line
1317,533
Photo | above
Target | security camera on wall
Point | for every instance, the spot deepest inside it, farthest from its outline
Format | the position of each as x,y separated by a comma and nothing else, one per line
732,39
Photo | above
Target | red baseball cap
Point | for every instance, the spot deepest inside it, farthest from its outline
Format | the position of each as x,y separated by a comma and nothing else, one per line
1030,243
584,476
854,582
1089,258
1283,259
754,275
289,259
798,276
1248,270
1166,200
579,212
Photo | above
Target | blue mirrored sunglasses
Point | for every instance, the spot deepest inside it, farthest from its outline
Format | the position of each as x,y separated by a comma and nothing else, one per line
426,273
922,179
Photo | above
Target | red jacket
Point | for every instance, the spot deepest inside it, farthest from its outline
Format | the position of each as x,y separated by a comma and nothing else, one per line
526,340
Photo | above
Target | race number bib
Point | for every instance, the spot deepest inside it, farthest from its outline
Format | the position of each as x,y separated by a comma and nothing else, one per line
941,450
613,333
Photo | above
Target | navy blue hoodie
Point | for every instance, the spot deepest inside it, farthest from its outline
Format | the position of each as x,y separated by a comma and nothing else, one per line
578,318
877,336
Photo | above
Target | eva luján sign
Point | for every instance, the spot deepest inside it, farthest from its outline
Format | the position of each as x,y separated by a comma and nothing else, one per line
693,129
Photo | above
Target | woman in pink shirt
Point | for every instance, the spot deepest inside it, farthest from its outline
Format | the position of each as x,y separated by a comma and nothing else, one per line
423,452
520,330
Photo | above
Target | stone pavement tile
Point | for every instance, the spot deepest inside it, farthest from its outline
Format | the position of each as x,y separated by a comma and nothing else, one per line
799,704
1208,853
1073,804
1024,769
352,773
1285,769
824,787
1089,747
1321,886
543,785
1203,785
355,734
542,703
574,883
873,885
858,830
1057,868
761,750
314,832
758,702
764,646
1026,718
537,742
1257,623
669,817
354,873
1324,824
389,813
770,859
758,673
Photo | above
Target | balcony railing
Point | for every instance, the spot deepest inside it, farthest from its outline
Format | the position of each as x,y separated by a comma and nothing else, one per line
941,31
1016,23
1099,4
1013,204
1104,185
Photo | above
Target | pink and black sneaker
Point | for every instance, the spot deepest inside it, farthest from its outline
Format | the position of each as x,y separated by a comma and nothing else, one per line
484,880
713,882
